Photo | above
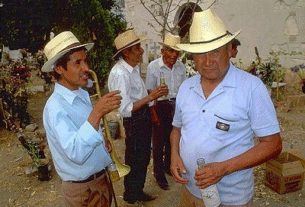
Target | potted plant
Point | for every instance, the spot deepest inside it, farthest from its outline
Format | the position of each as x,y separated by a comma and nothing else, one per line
38,157
40,161
300,71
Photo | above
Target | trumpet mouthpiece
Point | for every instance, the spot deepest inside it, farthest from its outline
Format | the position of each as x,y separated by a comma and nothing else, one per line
89,83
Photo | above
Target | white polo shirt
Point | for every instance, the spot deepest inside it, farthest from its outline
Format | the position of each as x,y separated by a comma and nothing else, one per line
223,126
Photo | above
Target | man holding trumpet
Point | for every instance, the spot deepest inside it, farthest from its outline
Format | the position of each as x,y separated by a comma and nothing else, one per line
125,76
79,150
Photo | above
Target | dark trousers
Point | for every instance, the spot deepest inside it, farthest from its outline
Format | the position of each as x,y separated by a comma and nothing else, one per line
161,140
137,154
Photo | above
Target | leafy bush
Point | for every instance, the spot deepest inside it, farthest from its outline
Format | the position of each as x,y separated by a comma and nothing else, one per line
269,70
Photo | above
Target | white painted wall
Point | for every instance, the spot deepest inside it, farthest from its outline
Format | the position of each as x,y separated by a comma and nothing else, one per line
277,25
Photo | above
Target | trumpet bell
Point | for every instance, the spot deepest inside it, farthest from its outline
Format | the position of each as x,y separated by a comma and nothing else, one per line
122,168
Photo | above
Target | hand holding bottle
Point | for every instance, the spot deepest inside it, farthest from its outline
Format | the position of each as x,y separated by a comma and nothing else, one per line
161,90
163,84
209,194
162,79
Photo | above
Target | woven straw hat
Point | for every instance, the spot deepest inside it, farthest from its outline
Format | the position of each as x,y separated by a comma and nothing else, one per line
171,41
59,46
126,40
207,33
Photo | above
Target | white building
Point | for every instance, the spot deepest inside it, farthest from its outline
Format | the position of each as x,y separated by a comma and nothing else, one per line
277,25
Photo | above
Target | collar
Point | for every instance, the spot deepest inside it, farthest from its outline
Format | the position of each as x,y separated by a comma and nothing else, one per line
162,64
228,81
129,68
67,94
230,78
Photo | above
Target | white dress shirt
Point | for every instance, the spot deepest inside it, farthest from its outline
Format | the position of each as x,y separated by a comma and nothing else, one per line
127,79
173,77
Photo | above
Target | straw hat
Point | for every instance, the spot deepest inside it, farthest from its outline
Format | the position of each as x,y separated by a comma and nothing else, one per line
171,41
126,40
207,33
59,46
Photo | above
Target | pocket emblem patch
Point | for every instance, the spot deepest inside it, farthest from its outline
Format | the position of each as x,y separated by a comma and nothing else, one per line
222,126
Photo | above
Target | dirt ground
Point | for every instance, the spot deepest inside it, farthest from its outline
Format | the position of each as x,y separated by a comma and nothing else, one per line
19,189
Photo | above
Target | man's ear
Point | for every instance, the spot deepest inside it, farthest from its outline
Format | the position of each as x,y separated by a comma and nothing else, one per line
125,53
59,69
229,49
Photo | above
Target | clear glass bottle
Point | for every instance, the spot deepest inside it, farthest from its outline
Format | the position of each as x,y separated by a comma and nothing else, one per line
162,83
113,172
210,194
162,79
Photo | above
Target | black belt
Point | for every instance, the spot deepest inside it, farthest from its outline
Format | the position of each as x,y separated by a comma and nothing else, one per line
90,178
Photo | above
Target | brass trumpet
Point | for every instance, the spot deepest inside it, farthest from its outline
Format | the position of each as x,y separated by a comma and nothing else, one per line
121,168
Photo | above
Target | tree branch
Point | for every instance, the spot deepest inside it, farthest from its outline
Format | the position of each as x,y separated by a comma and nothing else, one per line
178,5
212,4
162,10
151,13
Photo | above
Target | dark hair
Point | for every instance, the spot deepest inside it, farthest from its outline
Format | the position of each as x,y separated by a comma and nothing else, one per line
235,43
64,60
118,56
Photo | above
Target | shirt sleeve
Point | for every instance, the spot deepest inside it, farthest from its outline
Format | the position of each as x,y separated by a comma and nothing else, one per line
122,82
77,144
177,119
262,113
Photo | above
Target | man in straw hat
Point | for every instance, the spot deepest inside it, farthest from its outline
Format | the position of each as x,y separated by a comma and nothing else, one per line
170,69
79,150
218,113
125,76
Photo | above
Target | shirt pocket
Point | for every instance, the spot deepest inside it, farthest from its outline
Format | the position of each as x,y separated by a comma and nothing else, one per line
223,126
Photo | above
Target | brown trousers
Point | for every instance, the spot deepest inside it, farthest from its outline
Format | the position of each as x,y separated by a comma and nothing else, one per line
95,193
188,200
